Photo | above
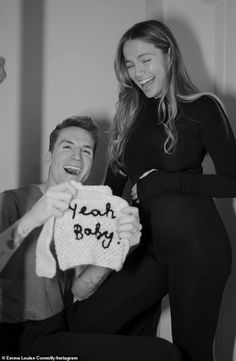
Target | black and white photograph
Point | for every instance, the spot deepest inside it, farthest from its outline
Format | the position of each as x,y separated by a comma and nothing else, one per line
117,180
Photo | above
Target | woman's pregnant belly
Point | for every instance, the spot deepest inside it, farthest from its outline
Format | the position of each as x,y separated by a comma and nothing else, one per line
181,225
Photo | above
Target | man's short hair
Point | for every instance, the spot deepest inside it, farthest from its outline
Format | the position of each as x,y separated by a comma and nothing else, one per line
83,122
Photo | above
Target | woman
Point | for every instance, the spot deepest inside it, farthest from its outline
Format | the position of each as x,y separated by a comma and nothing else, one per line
162,131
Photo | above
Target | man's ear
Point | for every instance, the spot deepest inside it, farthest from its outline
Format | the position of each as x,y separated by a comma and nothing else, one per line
48,158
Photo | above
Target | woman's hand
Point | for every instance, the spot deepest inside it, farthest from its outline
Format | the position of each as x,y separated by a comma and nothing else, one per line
134,193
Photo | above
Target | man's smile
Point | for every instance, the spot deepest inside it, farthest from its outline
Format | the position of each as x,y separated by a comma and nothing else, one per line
72,169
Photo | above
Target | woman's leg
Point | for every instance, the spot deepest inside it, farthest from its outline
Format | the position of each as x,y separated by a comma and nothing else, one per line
189,236
196,287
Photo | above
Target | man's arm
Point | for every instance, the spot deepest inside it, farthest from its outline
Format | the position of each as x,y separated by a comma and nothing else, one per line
7,246
129,226
87,281
54,202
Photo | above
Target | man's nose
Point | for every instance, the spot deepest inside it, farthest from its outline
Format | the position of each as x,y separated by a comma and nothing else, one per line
77,153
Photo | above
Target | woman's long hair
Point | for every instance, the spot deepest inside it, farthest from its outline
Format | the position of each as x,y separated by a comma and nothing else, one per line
130,98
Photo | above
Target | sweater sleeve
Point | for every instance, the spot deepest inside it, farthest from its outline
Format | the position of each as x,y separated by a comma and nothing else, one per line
116,181
10,209
9,215
218,139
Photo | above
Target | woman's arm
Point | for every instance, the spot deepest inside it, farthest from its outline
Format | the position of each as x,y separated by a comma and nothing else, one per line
218,138
116,181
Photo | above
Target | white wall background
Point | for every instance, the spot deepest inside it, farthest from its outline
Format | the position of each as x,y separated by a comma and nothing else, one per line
80,40
10,46
59,57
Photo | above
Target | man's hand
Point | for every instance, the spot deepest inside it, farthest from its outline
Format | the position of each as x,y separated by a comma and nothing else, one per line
54,202
86,283
129,226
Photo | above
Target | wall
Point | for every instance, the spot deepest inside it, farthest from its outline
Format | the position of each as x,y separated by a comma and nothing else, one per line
80,39
59,62
226,82
10,48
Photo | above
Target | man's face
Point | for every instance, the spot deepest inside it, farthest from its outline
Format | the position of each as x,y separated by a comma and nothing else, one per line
72,156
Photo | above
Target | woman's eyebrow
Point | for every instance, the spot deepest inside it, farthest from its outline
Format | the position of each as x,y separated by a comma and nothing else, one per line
143,54
140,56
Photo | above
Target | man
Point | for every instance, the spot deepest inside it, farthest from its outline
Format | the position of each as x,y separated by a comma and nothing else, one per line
26,297
33,306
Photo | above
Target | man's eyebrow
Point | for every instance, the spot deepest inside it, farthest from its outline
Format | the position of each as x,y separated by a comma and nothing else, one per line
88,146
71,142
66,141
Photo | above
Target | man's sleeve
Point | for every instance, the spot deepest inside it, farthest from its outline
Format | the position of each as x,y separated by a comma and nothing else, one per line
9,215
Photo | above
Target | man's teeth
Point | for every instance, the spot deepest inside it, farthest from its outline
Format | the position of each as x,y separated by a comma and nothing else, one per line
72,169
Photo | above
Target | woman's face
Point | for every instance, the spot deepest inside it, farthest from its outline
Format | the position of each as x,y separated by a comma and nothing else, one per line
147,66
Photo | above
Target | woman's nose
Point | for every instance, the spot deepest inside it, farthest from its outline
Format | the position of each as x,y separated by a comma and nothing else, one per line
138,70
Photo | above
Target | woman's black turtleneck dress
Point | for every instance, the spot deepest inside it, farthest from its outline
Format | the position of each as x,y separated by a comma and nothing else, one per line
185,251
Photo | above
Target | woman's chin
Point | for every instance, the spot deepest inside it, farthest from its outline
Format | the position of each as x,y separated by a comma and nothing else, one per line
152,93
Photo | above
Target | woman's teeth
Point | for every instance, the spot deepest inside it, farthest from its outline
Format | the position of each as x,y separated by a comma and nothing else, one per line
147,84
72,170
